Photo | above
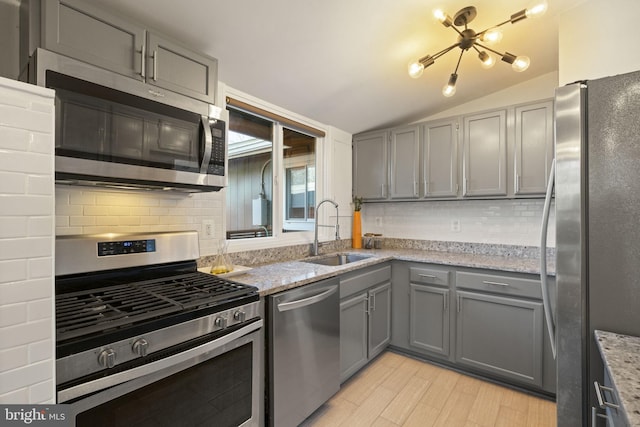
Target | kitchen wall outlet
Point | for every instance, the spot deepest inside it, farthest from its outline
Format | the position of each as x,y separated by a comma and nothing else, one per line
207,227
378,221
455,225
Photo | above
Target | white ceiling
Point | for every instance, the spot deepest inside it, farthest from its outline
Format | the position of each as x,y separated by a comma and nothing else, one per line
344,62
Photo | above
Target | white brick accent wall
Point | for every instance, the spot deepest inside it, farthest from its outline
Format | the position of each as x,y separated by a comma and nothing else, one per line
27,339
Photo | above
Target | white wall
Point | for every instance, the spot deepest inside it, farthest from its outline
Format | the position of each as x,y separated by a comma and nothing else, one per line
541,87
598,38
27,353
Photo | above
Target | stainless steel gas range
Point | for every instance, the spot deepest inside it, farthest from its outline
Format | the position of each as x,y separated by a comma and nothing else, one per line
143,338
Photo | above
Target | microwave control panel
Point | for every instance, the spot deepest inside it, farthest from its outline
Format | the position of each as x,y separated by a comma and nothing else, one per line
218,148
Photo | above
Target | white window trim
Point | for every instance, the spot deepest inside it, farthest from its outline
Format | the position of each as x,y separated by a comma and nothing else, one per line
323,150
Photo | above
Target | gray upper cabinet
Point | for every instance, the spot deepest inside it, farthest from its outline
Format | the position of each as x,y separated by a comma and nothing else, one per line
533,148
440,159
173,67
404,164
370,165
85,32
485,154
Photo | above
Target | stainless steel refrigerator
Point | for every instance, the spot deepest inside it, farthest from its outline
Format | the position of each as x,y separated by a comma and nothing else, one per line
597,204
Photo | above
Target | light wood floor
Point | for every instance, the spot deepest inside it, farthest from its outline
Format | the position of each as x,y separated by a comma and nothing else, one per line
395,390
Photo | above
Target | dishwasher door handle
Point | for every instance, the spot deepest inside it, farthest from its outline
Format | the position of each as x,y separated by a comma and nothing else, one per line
292,305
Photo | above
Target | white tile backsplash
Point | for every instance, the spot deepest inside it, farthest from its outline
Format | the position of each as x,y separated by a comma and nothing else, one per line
513,222
88,210
27,351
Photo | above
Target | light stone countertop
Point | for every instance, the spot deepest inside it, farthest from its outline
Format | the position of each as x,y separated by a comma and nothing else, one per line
280,276
621,356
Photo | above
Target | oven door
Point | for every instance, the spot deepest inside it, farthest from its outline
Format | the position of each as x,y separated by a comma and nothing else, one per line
217,383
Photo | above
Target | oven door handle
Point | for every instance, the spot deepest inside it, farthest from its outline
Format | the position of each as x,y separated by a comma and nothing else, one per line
153,367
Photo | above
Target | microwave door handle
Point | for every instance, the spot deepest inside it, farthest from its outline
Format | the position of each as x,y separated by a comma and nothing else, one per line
208,143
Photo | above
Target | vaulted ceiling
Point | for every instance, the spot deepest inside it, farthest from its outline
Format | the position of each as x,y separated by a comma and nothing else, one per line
344,62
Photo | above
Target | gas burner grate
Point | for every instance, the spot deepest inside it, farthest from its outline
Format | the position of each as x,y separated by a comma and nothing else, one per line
90,311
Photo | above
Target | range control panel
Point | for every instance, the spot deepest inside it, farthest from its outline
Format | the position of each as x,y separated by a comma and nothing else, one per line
126,247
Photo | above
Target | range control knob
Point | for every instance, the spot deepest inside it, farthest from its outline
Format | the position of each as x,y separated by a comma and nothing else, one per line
240,316
220,322
140,347
107,358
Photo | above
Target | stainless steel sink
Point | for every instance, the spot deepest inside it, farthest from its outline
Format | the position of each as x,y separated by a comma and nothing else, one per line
337,259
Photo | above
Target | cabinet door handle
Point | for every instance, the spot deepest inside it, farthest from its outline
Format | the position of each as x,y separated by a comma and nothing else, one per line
373,304
143,65
517,184
445,303
458,303
155,65
595,416
426,187
428,276
489,282
601,401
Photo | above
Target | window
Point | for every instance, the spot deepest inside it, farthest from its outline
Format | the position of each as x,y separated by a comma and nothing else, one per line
258,205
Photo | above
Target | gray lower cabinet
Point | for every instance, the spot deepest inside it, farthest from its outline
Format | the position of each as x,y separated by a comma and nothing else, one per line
487,322
78,29
429,319
365,317
500,335
353,335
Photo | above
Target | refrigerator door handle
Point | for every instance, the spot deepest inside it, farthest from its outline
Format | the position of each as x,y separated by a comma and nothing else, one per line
551,327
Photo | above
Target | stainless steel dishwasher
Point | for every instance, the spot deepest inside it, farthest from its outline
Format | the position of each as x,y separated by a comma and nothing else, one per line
304,351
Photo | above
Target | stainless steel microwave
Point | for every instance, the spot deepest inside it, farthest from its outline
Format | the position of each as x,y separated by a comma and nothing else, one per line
113,130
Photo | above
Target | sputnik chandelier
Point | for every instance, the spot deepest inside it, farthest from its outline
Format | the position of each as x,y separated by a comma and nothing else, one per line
469,39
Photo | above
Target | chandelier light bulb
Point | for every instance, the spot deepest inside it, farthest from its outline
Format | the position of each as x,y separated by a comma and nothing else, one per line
491,36
442,17
537,10
450,88
487,61
521,63
415,69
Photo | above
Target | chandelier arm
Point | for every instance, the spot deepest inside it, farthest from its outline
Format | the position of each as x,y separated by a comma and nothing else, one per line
495,26
443,51
459,59
488,48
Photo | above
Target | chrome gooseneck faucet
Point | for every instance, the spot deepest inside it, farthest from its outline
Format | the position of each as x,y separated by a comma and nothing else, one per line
314,249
